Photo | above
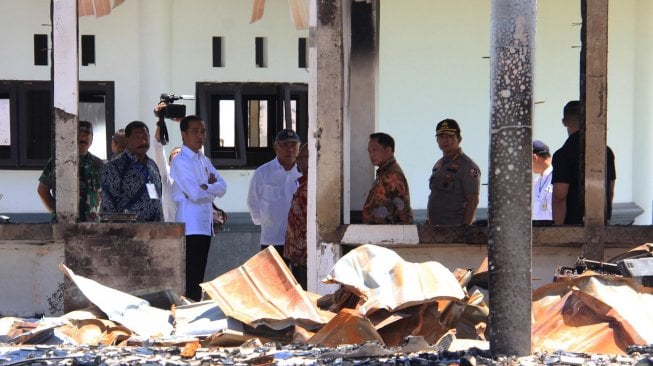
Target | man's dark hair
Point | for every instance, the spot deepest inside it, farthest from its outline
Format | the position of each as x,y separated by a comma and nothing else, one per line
183,125
384,140
135,124
572,109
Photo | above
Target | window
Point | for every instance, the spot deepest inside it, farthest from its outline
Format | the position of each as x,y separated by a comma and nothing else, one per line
243,119
218,51
261,52
302,54
26,120
88,50
41,49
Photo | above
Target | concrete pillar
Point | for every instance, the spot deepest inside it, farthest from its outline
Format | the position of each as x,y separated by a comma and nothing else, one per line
363,94
510,177
327,96
66,106
594,93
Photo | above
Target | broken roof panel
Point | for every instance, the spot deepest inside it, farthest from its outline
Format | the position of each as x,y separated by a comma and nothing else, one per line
263,292
130,311
592,313
384,280
348,327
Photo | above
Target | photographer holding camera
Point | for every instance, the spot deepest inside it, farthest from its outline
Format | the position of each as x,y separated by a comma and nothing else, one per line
163,162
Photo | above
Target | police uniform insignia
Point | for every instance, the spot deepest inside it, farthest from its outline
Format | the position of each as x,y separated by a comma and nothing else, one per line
473,172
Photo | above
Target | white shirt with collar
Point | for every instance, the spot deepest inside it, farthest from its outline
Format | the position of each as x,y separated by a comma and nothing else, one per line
270,194
190,170
159,157
542,195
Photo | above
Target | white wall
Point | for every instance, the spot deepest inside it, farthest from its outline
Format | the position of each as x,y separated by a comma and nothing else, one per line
642,133
433,65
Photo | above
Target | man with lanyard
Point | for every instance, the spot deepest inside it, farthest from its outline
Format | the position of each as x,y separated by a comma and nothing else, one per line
90,173
542,187
195,185
131,181
455,180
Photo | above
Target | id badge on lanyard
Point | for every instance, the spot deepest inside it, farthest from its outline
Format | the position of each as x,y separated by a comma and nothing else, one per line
151,190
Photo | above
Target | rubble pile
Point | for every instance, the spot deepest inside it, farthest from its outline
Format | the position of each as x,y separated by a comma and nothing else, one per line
385,311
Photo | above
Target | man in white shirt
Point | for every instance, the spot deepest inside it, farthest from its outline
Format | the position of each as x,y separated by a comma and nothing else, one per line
271,189
196,184
542,186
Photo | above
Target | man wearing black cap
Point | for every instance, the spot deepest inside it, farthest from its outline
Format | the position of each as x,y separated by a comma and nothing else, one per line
542,187
455,181
90,176
271,190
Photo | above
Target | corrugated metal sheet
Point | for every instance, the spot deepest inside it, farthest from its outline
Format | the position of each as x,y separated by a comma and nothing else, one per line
264,292
593,314
384,280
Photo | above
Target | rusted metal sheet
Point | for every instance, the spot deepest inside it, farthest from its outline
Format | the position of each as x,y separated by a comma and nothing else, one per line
348,327
593,314
384,280
263,292
258,6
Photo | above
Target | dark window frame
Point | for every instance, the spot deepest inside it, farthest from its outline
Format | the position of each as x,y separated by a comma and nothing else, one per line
242,156
16,155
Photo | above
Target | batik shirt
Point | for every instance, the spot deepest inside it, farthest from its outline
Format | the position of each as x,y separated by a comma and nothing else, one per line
90,190
295,248
124,183
388,201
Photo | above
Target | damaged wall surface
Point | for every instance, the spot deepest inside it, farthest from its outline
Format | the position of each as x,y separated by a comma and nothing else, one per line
127,257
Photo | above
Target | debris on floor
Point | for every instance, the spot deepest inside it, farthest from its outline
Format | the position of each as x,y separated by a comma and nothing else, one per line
385,308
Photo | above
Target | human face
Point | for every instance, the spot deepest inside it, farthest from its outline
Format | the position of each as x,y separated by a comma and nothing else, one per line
302,159
379,154
287,153
84,141
139,142
195,136
449,144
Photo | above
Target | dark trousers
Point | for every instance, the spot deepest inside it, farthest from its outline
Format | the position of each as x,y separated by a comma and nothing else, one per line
197,253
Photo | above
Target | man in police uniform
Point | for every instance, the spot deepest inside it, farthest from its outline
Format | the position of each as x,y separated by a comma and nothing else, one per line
455,181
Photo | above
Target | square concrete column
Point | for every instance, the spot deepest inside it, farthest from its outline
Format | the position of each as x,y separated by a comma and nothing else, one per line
327,100
66,106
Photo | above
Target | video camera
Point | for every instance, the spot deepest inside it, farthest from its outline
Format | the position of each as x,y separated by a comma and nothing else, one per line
171,110
174,110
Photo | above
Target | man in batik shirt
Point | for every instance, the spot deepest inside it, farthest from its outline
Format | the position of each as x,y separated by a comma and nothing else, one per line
388,201
131,181
90,174
294,249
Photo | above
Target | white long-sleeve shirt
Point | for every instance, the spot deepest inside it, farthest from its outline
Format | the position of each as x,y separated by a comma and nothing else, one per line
190,170
542,196
161,160
270,194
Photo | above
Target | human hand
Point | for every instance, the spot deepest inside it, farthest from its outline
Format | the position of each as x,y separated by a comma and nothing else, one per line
204,186
212,179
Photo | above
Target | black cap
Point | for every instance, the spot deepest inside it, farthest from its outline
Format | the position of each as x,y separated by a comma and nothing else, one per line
540,147
287,135
86,126
448,127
